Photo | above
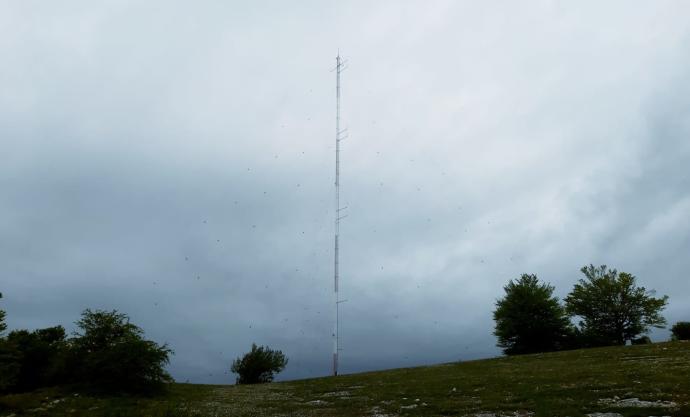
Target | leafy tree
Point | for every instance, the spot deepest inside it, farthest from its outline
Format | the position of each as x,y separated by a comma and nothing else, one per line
28,360
259,365
3,326
681,330
111,354
9,365
34,357
530,319
612,307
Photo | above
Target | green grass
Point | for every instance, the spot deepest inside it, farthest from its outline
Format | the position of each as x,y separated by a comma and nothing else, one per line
553,384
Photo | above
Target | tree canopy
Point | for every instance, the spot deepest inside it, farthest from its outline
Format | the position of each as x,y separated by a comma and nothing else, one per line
612,308
35,357
3,325
259,365
529,318
681,330
111,353
9,367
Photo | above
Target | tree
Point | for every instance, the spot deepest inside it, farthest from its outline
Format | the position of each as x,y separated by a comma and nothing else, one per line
259,365
28,360
681,330
612,308
3,326
111,354
35,357
530,319
9,365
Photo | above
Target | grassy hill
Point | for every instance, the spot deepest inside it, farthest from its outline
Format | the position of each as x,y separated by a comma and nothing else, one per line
573,383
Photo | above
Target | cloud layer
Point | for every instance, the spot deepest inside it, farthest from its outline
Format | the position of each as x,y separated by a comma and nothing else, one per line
175,162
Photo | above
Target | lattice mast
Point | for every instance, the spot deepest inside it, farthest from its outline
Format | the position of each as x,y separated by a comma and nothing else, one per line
339,136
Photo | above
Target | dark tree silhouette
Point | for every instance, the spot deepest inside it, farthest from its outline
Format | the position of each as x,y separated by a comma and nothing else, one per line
681,330
259,365
530,319
9,366
3,325
111,354
35,357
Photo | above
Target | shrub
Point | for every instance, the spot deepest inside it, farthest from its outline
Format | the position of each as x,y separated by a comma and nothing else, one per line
259,365
34,356
29,360
3,326
110,354
681,330
9,366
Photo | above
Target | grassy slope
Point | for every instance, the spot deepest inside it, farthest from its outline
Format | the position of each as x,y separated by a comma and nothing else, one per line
553,384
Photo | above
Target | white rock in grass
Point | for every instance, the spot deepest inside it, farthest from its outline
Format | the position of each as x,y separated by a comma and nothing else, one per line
636,402
337,394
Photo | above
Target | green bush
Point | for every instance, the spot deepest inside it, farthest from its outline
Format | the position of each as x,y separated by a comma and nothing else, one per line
681,330
8,363
9,366
33,358
3,326
259,365
110,354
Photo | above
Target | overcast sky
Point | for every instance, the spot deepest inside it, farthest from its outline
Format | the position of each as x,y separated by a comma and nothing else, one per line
175,161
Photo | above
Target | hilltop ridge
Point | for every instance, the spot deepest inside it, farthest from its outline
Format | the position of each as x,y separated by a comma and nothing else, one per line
646,380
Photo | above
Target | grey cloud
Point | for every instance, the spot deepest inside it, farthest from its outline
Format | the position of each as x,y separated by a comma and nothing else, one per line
176,163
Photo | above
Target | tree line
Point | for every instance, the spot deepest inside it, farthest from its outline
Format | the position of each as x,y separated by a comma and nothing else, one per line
107,354
608,306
